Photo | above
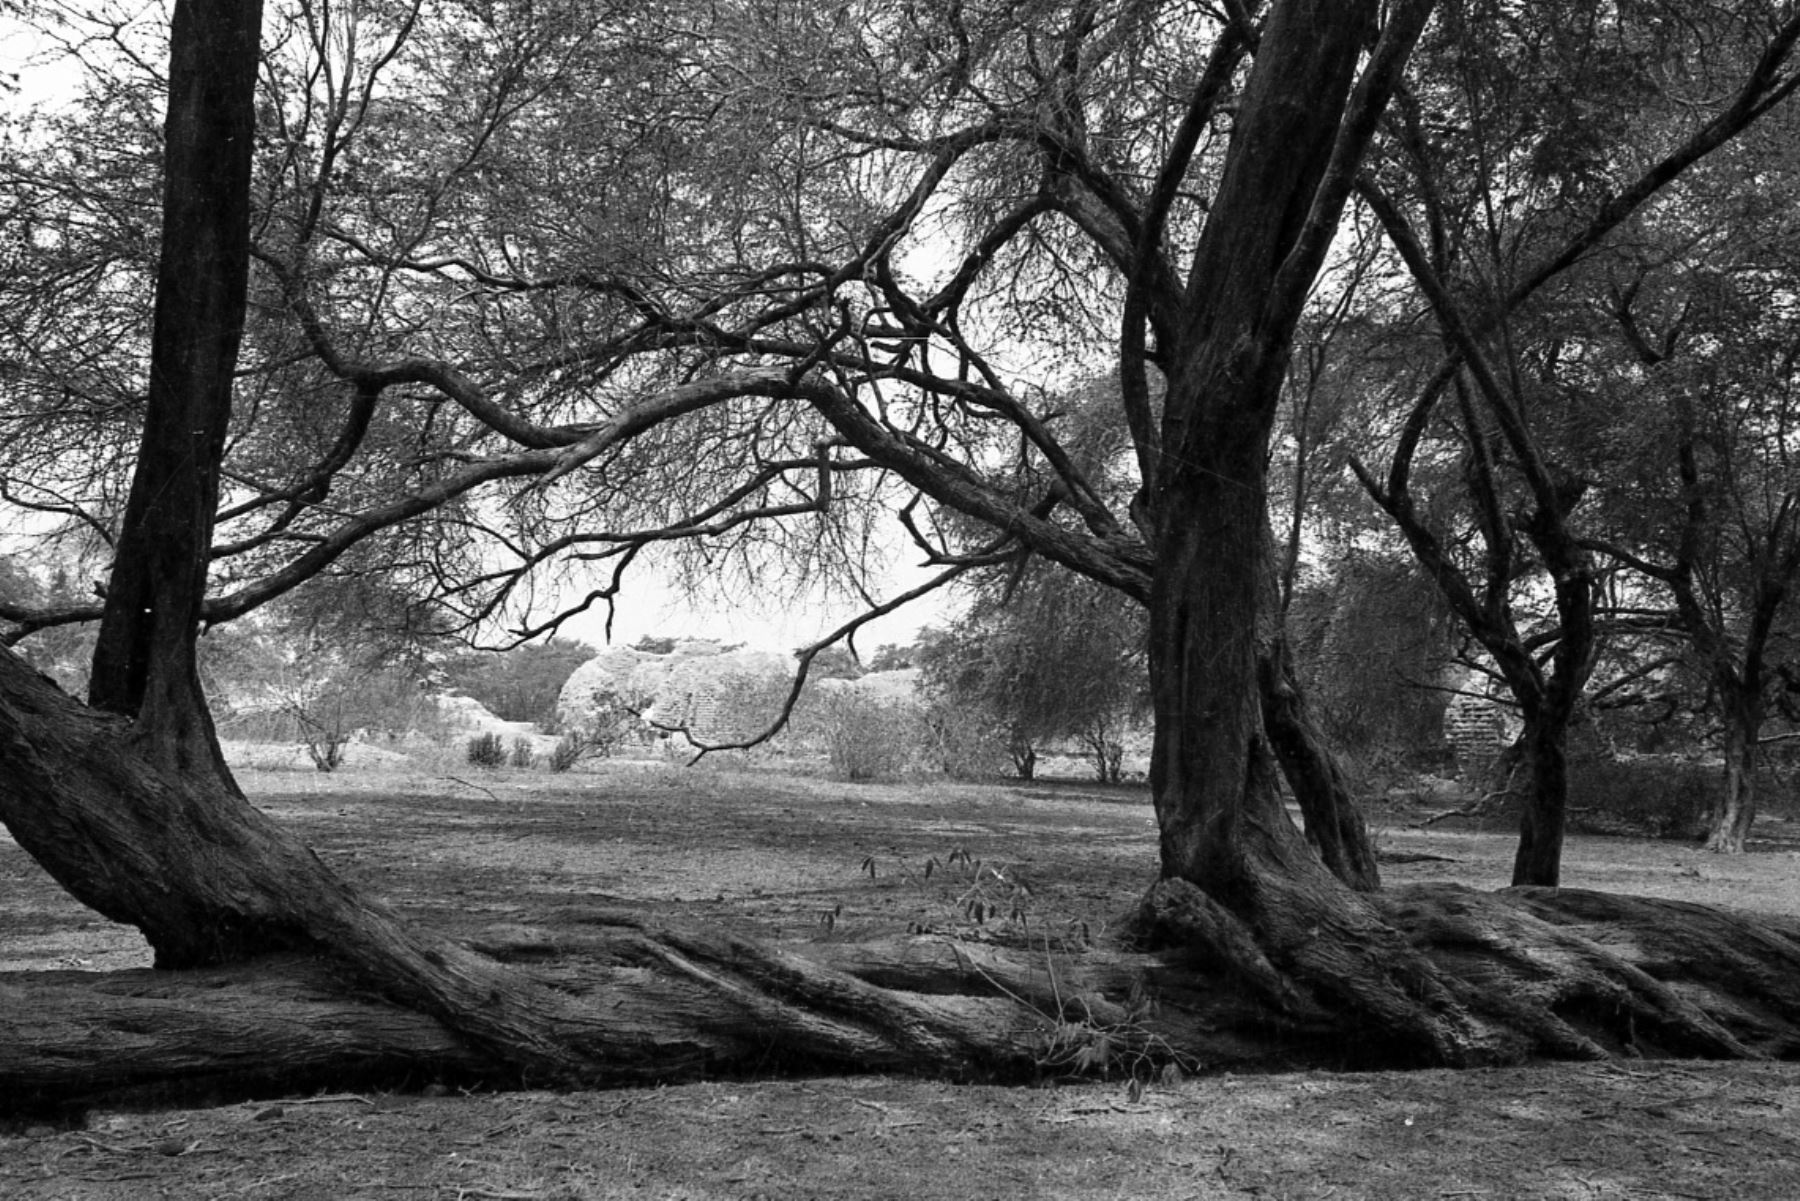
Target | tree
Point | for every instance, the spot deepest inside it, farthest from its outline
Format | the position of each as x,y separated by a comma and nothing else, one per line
1373,640
1041,656
522,684
816,365
1484,245
1708,507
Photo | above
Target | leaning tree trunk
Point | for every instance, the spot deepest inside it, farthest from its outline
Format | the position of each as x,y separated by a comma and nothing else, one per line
1271,945
144,661
1334,822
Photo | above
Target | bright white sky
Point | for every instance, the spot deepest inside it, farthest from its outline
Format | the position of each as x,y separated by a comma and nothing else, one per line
651,606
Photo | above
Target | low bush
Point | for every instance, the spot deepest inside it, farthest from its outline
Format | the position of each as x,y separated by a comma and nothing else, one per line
1661,796
963,743
487,750
523,753
869,739
567,752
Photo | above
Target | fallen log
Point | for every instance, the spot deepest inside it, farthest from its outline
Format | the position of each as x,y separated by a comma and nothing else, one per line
1562,973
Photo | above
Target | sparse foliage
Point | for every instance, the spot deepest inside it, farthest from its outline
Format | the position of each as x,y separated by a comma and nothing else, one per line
546,291
867,737
569,750
1046,657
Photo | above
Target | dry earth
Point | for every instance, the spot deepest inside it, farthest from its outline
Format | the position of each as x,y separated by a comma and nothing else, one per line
807,859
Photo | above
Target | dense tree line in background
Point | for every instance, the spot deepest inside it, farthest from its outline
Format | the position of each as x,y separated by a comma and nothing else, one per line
499,304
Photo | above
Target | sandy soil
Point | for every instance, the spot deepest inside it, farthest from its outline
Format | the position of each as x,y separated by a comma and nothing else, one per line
808,859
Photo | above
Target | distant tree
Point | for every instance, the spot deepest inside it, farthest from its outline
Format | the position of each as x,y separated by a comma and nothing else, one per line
892,657
652,644
521,684
1371,637
1501,185
606,286
1044,654
61,652
835,663
1702,461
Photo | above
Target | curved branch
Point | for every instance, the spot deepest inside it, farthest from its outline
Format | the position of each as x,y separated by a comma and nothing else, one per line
1119,562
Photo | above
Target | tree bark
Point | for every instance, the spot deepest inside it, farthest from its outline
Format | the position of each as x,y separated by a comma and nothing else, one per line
144,660
1562,973
1212,768
1334,821
1735,811
1543,747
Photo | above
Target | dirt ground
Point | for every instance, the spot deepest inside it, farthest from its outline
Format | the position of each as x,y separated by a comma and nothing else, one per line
811,859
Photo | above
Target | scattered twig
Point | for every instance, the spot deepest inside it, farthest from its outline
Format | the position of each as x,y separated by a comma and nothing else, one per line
331,1099
476,787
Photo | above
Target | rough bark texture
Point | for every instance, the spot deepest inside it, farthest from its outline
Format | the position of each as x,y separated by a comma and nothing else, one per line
1544,764
1262,953
1334,822
1212,770
144,662
1735,810
1542,972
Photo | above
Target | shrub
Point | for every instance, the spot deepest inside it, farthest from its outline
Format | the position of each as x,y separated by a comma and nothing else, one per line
521,684
523,754
963,742
869,739
567,752
487,750
1662,796
610,720
327,750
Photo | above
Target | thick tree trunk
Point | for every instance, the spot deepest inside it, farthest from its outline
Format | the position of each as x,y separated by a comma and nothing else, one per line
1735,811
1544,764
1212,769
208,877
144,661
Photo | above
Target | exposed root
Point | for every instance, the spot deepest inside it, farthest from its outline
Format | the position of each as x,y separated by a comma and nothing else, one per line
1740,970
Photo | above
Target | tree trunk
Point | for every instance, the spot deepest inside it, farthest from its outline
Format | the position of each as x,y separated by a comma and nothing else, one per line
1544,763
207,877
1334,822
144,661
1560,972
1735,811
1023,756
1212,769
